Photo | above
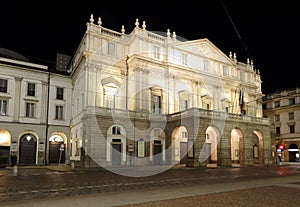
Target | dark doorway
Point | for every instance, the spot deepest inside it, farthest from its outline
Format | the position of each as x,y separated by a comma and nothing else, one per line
157,152
56,152
183,152
116,154
293,150
27,155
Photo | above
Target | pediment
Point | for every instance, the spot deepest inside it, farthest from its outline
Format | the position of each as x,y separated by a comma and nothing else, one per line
206,49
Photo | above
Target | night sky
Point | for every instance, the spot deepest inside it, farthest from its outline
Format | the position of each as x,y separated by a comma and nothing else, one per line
265,31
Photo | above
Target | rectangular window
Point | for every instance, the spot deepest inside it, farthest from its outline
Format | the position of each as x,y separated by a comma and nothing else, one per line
31,89
111,48
184,105
30,107
156,104
277,130
59,112
3,107
291,116
292,129
277,104
60,93
292,101
242,76
3,85
225,71
206,65
156,52
277,117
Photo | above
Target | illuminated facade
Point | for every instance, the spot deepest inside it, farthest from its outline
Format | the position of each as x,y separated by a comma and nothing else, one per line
152,98
34,124
137,99
283,110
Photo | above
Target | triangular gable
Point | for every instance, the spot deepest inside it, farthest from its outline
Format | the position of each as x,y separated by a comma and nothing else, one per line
205,48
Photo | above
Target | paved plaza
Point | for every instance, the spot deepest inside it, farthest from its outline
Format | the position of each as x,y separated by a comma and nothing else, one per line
234,189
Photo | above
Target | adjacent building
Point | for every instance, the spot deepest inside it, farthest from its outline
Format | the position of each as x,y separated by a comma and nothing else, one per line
35,110
283,110
135,99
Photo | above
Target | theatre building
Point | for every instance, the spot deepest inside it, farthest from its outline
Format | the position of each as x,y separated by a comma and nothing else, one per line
153,98
138,98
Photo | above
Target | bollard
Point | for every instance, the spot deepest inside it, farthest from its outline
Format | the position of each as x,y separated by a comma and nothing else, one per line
15,170
72,164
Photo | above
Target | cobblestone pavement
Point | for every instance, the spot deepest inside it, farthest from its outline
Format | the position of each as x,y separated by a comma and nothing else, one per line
61,181
269,196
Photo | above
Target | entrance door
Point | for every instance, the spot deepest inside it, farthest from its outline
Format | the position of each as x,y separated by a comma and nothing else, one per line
116,154
157,152
27,155
56,155
183,152
293,150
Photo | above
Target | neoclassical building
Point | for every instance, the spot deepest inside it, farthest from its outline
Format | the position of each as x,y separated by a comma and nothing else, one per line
152,98
35,111
135,99
283,110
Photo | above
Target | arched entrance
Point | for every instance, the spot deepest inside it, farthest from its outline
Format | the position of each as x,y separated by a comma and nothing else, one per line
27,152
5,142
212,138
180,146
257,144
56,149
236,146
293,151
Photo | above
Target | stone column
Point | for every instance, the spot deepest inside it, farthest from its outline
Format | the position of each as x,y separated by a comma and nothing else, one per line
17,101
44,102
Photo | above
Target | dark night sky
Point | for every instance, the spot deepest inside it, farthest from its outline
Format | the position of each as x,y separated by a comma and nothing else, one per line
265,31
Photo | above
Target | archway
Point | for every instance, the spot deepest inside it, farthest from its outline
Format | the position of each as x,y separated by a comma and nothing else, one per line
27,152
236,146
5,142
56,149
257,143
179,145
212,136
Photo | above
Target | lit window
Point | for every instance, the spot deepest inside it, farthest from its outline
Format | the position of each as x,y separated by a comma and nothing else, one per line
156,52
3,107
156,104
184,59
59,111
30,110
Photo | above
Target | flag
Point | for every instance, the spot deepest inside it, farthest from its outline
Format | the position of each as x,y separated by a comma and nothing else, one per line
241,100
